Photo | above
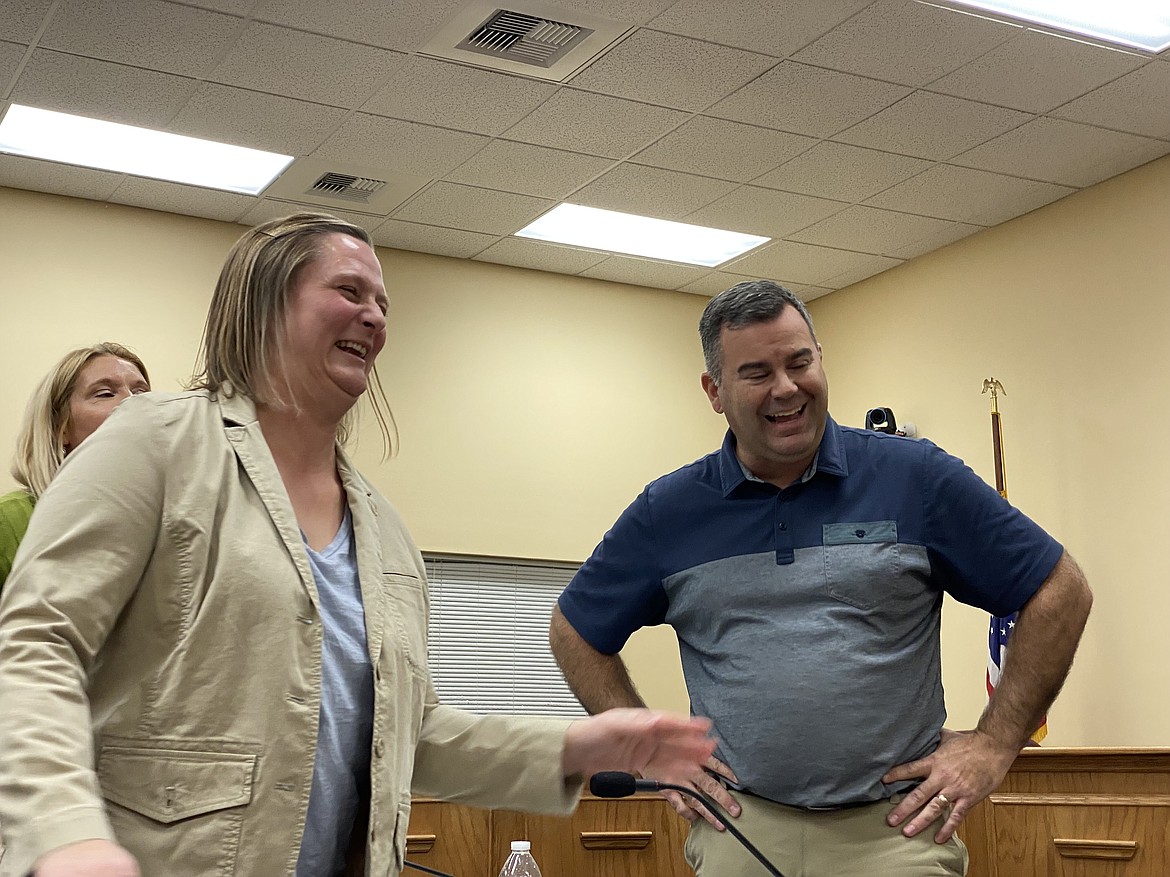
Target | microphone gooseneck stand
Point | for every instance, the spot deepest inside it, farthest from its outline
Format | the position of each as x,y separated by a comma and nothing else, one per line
617,784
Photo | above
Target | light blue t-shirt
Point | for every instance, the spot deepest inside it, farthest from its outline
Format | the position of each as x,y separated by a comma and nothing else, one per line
341,770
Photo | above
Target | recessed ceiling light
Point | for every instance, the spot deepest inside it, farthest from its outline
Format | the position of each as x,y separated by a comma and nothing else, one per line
639,235
1138,24
127,149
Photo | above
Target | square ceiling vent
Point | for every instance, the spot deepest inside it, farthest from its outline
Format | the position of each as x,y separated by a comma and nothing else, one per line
530,38
344,186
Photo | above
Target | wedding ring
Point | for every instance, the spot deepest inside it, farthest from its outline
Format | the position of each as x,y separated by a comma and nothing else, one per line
943,799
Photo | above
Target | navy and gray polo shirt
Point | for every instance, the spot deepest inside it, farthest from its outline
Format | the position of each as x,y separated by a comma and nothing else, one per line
808,617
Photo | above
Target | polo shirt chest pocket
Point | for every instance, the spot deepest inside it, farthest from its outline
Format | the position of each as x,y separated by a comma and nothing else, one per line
861,562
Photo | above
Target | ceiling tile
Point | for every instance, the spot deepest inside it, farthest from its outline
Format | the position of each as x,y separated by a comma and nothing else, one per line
870,230
633,11
11,54
842,172
231,7
430,239
1138,102
714,283
651,191
905,41
1035,72
186,200
100,89
20,19
305,66
595,124
529,169
1062,152
967,195
541,255
272,208
644,272
933,126
865,267
472,209
251,118
954,231
404,24
807,100
394,146
674,71
453,96
17,172
723,149
753,210
145,33
789,262
774,27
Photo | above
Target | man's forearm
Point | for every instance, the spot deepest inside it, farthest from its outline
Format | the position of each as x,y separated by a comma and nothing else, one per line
599,681
1039,655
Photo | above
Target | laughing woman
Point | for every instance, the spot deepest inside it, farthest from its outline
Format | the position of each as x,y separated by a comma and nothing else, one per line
213,645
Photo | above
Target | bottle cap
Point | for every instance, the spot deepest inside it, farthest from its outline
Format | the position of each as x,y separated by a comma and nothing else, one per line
521,846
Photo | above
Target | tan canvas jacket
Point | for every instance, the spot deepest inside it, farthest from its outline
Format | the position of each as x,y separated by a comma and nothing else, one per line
160,661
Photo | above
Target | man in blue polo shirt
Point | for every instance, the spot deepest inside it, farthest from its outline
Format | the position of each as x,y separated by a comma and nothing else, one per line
803,567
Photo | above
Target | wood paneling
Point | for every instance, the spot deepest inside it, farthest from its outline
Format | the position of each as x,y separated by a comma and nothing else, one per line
1075,813
640,836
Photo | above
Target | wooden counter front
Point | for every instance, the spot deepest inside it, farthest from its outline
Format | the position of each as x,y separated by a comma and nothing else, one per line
1075,812
639,836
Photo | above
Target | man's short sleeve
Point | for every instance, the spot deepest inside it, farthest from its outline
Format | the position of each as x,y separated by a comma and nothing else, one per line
983,550
619,588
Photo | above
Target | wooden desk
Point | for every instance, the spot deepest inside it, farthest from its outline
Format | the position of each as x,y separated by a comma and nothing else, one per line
1075,813
1059,813
639,836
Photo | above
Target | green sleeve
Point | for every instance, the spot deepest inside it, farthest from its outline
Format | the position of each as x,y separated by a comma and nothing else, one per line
15,511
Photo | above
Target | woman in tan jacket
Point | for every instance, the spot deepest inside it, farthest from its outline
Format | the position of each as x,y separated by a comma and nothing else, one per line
213,648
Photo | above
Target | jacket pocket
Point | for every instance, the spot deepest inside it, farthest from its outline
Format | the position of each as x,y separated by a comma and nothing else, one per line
179,812
861,561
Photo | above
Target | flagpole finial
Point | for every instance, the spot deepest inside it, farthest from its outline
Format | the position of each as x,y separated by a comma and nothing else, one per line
996,388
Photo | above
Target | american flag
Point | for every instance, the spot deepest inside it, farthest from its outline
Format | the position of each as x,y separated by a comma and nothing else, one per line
999,631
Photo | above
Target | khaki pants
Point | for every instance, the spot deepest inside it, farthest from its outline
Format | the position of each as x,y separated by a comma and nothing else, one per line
854,842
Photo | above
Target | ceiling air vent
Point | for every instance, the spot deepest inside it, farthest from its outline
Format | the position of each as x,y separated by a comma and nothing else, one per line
527,39
530,38
349,188
343,187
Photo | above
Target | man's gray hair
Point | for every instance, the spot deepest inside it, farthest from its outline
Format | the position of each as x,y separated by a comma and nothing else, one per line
753,301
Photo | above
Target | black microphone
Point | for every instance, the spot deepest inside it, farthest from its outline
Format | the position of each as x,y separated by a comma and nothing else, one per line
618,784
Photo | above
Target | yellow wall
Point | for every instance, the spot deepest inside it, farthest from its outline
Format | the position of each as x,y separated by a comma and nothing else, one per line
533,407
1070,308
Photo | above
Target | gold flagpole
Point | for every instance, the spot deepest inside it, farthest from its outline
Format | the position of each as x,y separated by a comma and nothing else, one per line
997,434
995,388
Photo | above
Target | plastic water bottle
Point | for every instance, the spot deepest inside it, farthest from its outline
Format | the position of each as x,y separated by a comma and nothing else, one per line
520,863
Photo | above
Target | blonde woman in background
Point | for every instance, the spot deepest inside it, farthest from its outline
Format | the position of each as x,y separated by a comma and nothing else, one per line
71,401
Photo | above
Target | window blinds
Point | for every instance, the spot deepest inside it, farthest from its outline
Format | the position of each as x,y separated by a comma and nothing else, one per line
488,635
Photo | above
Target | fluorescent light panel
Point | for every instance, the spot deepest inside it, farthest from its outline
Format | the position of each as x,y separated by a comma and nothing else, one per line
1138,24
127,149
616,232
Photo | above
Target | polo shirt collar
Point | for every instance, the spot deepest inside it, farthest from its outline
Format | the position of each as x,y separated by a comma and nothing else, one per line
830,459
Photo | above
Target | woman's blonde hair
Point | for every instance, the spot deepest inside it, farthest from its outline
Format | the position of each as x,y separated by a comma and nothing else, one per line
240,351
40,444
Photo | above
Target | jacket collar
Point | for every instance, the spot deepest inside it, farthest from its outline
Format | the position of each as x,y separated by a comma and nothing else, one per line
242,428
